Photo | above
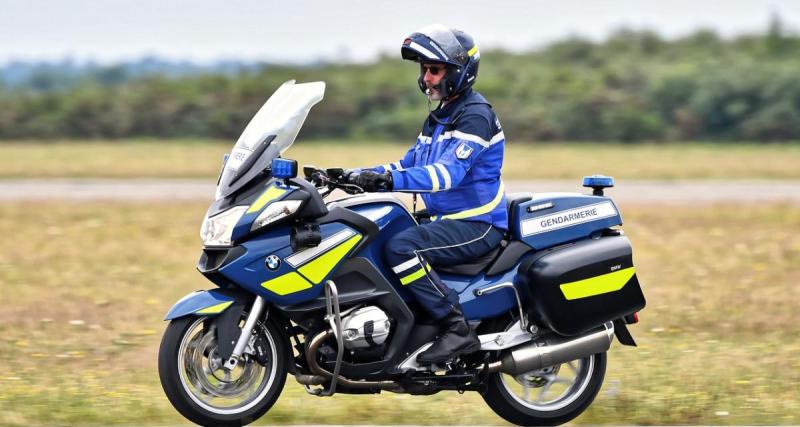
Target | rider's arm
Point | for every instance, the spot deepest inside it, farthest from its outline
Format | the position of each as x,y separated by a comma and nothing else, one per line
471,137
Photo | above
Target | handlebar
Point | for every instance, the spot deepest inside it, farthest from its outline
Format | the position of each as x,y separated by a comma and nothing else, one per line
331,179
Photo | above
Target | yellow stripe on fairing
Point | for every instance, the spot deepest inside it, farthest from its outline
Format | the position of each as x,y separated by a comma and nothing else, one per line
597,285
415,275
271,194
473,51
317,269
214,309
479,210
287,284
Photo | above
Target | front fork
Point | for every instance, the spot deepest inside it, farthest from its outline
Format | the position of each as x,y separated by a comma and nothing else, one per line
246,334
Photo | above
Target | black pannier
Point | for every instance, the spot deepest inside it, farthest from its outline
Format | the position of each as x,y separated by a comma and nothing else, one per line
573,288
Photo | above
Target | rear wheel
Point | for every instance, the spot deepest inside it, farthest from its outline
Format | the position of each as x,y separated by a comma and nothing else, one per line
197,385
549,396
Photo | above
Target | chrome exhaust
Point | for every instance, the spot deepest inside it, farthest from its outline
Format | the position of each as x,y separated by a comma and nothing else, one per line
553,350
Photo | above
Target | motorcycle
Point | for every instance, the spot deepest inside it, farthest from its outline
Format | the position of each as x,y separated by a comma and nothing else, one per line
303,290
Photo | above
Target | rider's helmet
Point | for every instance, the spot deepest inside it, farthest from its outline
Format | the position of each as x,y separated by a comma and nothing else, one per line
437,44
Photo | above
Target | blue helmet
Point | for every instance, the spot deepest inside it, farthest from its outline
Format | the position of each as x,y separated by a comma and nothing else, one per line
441,45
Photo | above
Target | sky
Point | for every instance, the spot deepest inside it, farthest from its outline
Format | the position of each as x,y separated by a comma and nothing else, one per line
300,31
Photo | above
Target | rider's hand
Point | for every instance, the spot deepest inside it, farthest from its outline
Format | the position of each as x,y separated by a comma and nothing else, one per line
373,181
349,174
317,177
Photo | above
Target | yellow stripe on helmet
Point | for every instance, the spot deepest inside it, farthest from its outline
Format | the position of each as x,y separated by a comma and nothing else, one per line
473,51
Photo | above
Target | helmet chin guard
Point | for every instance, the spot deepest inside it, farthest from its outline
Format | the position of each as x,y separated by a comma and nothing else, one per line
440,45
445,86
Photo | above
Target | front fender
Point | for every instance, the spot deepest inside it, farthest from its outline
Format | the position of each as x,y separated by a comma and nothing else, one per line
204,303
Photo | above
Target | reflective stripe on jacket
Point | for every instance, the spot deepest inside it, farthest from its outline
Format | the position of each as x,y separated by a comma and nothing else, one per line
456,165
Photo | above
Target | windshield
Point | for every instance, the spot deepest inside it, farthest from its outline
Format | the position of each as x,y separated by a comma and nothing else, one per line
270,132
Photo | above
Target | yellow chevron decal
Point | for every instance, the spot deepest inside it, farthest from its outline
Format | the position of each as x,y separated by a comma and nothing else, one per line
287,284
272,193
214,309
597,285
317,269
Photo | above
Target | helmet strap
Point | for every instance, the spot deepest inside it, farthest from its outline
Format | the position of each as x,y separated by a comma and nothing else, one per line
444,89
454,118
430,112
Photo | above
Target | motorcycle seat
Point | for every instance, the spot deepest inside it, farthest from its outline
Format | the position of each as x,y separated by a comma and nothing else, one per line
475,266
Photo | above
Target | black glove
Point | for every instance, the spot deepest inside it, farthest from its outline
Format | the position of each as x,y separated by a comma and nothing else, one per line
372,181
348,175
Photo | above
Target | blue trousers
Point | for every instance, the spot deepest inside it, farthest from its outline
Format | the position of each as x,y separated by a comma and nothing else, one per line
413,253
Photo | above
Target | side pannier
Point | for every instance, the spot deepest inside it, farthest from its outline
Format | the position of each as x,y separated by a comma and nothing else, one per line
575,287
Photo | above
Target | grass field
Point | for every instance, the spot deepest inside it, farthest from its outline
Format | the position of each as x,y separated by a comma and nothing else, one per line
84,288
202,159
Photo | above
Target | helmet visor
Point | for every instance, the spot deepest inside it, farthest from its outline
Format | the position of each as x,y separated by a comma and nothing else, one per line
434,43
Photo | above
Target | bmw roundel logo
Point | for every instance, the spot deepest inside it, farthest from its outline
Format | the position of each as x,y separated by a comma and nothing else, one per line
273,262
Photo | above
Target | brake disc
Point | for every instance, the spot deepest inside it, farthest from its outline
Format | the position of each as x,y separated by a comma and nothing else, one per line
537,378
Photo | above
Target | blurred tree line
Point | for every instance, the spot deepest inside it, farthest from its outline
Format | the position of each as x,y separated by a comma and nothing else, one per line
634,86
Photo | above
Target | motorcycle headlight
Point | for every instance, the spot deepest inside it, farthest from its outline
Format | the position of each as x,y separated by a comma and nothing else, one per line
217,229
276,211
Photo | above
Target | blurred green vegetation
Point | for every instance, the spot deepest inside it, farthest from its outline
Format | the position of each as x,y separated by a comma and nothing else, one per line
635,86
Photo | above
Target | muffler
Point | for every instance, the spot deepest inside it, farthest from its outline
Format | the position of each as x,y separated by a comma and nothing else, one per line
553,350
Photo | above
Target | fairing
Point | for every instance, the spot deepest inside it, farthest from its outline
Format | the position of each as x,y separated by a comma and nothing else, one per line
206,303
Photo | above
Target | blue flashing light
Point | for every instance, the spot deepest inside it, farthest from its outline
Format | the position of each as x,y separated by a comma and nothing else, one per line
598,181
284,168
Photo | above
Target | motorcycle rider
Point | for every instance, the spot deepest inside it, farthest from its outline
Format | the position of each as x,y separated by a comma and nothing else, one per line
455,165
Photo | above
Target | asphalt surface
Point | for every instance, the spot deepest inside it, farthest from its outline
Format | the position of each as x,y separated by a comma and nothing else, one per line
626,192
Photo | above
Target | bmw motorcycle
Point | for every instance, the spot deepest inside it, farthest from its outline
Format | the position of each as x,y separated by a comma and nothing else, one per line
302,289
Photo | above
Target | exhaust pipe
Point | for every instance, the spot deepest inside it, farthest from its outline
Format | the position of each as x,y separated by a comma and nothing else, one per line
553,351
322,375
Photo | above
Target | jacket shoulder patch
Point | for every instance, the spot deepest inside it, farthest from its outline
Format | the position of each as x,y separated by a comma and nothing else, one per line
463,151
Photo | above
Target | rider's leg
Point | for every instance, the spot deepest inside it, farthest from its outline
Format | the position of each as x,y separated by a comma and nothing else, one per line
411,253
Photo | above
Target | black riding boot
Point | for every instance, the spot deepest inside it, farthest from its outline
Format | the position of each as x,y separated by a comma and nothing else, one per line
458,338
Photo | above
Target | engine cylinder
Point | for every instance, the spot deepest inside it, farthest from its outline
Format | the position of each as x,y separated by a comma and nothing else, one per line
365,327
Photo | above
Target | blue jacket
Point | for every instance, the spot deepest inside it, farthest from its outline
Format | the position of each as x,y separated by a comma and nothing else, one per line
456,166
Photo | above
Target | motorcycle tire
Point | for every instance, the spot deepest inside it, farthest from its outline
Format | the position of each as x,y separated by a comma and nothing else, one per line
186,401
519,411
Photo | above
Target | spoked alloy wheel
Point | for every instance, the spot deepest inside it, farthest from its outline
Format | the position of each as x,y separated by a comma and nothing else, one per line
549,396
195,381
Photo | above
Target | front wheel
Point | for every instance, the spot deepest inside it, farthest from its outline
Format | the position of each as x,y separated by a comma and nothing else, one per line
198,386
547,396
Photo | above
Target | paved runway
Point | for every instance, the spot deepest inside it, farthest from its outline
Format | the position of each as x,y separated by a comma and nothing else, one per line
626,192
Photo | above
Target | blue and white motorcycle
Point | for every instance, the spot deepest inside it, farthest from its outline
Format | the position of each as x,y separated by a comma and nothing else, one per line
303,289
